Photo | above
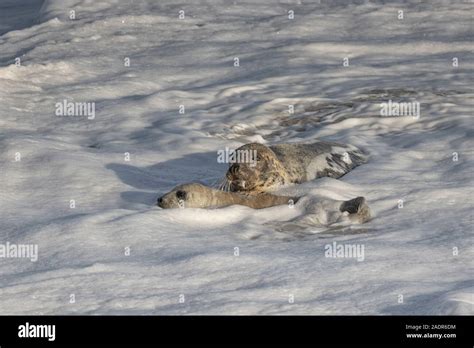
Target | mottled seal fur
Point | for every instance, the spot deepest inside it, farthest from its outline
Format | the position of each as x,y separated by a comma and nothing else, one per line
283,164
196,195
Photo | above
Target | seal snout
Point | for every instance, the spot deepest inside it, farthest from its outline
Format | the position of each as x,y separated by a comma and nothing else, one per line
237,185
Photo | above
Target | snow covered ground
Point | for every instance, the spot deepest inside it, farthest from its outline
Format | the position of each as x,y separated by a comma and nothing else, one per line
117,253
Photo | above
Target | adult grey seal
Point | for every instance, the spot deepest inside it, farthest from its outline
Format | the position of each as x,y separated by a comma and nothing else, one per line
293,163
196,195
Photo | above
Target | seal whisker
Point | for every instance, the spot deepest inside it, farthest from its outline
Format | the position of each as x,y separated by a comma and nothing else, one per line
222,185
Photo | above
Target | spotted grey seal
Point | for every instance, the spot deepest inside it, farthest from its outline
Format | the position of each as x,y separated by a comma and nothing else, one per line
293,163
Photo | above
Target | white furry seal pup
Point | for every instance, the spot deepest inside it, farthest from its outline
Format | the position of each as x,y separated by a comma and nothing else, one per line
196,195
294,163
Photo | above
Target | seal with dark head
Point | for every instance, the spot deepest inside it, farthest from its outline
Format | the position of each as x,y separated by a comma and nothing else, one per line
283,164
196,195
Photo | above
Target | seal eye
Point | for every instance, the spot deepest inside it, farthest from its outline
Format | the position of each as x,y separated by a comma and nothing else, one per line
181,194
234,169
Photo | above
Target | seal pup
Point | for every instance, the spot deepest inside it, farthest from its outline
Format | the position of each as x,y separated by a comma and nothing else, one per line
294,163
196,195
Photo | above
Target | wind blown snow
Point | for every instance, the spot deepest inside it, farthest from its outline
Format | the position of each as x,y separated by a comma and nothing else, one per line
172,83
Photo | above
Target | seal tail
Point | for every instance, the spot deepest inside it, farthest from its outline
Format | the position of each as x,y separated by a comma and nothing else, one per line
358,156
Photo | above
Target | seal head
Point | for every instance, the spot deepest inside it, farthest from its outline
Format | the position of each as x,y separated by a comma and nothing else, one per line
267,173
188,195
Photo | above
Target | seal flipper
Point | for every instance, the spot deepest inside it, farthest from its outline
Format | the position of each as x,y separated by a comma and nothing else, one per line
359,211
352,206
